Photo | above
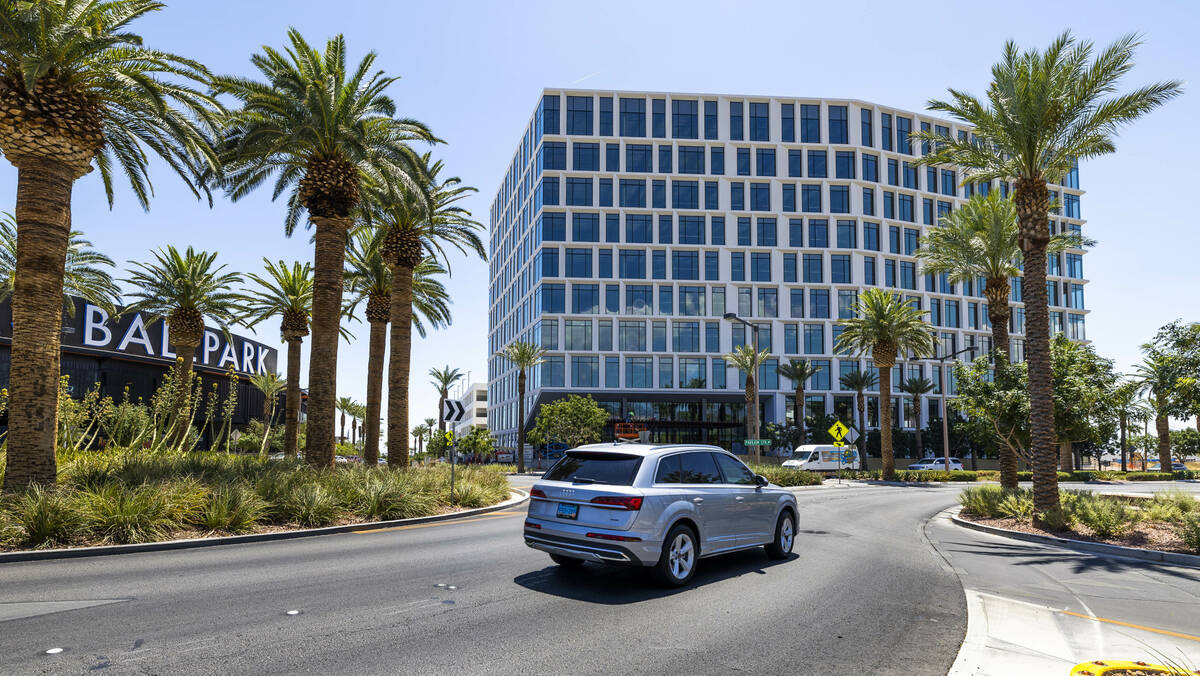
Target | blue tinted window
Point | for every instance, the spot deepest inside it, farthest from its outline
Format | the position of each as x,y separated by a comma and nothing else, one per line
765,161
885,129
869,270
910,176
818,233
743,231
554,227
685,265
637,228
633,193
870,168
767,232
554,298
797,303
796,232
691,159
658,199
585,298
844,164
664,159
606,192
787,117
606,115
712,267
795,163
666,229
813,269
638,157
660,118
760,125
579,192
685,195
889,204
903,127
737,196
550,262
867,122
736,121
846,234
579,115
710,119
839,199
587,157
760,196
810,198
743,161
871,236
585,227
612,227
579,263
550,113
839,269
839,131
612,157
868,201
814,339
760,267
658,264
633,117
710,195
717,227
818,303
789,197
906,209
810,123
737,266
691,230
632,264
549,190
554,155
684,122
789,268
716,161
817,164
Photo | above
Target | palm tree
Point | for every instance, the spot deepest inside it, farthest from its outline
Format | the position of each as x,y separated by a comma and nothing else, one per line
1157,376
83,275
1045,111
270,384
344,405
419,223
748,359
183,289
917,387
321,131
883,325
79,90
799,371
860,381
981,241
1126,402
287,293
369,279
418,434
443,380
523,356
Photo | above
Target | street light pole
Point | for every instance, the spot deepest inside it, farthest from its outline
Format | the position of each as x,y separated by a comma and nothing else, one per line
754,338
946,413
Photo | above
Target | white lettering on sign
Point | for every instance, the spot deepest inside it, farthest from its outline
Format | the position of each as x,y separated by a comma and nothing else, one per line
211,343
93,320
247,357
136,333
166,341
262,363
228,355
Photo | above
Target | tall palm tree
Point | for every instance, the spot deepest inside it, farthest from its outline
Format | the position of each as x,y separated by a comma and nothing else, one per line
286,293
799,371
83,273
523,356
369,279
183,289
419,223
344,405
320,130
980,240
748,359
418,434
1125,401
884,325
1044,112
270,384
1158,377
442,380
917,387
78,90
859,381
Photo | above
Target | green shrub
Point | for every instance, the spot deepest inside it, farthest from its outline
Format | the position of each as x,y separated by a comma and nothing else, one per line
787,476
388,496
987,475
982,500
41,517
1024,476
1188,530
1058,520
1182,500
1106,518
231,508
1149,476
1082,475
1017,505
119,514
1107,475
1161,511
311,505
469,495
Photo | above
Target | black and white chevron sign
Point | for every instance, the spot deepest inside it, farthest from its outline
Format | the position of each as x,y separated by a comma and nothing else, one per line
452,411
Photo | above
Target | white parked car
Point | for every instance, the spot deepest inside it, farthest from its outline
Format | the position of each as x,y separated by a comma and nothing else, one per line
823,458
936,464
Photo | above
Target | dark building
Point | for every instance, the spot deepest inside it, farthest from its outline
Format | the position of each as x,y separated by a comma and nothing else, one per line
131,354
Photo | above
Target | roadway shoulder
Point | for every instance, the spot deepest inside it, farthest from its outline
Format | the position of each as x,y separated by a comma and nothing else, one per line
517,497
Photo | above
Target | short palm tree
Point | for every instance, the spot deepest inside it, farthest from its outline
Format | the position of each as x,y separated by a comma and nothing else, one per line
885,325
78,90
345,405
1044,112
83,273
418,223
859,381
442,380
369,279
270,384
799,371
749,360
1126,401
917,387
320,131
287,293
184,289
418,434
1157,377
522,356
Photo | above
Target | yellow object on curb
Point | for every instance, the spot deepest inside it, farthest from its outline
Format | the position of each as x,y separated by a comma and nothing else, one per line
1115,667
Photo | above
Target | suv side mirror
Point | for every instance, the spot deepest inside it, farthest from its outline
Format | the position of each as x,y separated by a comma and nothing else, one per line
760,480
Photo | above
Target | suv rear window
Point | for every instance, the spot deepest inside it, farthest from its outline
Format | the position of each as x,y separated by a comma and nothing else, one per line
612,469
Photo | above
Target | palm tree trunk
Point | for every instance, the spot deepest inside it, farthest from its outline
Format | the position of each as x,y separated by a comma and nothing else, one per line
798,411
441,407
399,365
520,452
1161,425
997,292
1066,459
342,436
43,228
375,352
751,410
862,431
885,423
291,404
1032,201
328,263
1124,447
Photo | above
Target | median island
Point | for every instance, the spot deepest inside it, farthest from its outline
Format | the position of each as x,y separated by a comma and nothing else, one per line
1167,521
122,496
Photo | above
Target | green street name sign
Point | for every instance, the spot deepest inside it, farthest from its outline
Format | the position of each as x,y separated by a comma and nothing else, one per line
757,442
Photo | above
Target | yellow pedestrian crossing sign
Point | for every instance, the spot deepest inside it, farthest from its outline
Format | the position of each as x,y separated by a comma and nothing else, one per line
838,431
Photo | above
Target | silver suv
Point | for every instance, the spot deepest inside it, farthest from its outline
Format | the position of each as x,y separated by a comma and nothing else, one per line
661,506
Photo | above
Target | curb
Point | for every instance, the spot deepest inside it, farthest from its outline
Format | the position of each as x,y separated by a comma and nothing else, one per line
518,497
1169,558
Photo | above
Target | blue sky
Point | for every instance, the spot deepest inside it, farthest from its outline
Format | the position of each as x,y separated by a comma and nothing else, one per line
473,72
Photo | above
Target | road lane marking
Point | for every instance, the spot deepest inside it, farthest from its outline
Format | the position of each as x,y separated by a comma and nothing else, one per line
496,515
1164,632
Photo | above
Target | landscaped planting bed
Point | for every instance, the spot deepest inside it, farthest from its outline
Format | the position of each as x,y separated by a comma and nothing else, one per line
122,497
1168,521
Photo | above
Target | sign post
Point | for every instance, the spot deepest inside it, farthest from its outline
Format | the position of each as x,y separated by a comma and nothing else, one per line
838,431
452,412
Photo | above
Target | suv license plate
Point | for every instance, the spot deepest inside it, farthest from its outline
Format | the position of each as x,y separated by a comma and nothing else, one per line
566,511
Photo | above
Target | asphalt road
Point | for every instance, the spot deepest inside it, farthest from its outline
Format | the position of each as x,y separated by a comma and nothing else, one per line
865,592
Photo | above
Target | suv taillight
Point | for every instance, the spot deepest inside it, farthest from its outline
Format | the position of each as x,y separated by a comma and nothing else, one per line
632,503
537,493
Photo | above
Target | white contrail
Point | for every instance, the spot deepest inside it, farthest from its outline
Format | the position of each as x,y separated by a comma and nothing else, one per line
586,77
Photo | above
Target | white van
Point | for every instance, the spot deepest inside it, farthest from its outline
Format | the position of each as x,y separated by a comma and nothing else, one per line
822,458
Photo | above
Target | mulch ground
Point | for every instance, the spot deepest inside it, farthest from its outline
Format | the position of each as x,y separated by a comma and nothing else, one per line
1143,535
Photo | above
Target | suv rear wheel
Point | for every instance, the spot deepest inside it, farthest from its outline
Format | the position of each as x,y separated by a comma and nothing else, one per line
785,537
680,553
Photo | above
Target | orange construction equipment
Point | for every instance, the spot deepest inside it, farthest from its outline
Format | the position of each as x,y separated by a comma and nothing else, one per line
628,430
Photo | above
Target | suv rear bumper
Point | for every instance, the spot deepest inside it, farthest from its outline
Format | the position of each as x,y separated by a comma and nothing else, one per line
554,538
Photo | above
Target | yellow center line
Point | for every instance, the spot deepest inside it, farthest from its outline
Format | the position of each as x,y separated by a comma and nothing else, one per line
1133,626
450,522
